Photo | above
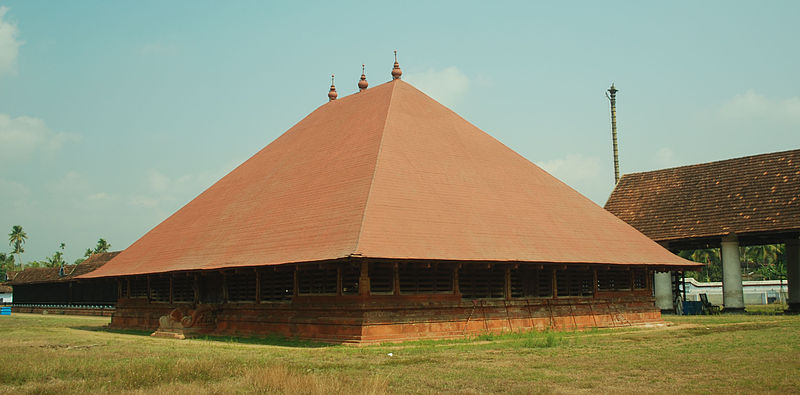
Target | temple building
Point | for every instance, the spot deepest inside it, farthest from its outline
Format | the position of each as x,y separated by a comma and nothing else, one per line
383,215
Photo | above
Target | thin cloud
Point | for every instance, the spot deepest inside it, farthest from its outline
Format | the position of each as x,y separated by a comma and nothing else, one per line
9,44
22,136
448,86
754,106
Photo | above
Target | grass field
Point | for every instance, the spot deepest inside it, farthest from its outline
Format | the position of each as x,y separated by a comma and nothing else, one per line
719,354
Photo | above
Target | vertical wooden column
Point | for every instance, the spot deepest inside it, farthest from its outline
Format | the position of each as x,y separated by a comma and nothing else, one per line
339,280
456,286
258,285
119,288
363,280
555,283
148,288
128,288
396,278
632,279
196,288
171,276
507,288
296,290
594,281
224,287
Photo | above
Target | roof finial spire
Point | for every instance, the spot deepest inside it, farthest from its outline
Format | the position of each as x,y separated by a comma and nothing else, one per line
362,84
332,93
396,72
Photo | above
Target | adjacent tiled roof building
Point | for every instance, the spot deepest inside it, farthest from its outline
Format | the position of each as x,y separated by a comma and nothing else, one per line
37,275
753,196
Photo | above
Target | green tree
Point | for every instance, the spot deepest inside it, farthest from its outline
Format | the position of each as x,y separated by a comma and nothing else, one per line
712,271
88,253
16,239
56,260
102,246
6,265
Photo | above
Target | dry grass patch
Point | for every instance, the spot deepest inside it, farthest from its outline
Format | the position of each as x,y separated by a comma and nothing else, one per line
56,354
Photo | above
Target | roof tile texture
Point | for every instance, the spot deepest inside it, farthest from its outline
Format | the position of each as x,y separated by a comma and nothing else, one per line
759,193
34,275
386,173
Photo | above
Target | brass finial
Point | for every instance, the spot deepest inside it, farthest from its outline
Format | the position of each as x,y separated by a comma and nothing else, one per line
362,83
332,93
396,72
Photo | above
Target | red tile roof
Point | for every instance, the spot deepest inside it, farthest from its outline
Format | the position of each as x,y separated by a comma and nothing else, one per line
758,193
386,173
33,275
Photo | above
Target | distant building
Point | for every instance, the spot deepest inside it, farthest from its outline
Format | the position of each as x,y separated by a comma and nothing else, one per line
59,286
6,294
755,292
386,216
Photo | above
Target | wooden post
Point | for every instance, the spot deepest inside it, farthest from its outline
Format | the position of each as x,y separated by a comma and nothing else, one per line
363,280
594,282
171,276
507,290
296,289
555,284
456,286
224,287
339,280
258,285
196,288
148,288
396,278
128,288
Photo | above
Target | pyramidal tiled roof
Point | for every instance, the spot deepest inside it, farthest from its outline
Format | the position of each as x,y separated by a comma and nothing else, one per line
386,173
759,193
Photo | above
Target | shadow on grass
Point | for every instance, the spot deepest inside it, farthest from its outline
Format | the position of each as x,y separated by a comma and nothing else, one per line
274,340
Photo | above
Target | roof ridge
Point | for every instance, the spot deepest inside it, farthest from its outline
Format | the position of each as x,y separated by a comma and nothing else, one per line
374,170
713,162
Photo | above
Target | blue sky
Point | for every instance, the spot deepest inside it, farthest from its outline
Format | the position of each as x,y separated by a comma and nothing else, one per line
115,114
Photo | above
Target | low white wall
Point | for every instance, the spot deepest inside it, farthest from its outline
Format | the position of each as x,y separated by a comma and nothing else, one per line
755,292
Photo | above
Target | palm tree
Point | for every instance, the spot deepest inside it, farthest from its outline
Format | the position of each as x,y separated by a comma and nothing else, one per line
16,239
102,246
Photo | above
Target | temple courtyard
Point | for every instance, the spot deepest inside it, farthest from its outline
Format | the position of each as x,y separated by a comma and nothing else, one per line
754,352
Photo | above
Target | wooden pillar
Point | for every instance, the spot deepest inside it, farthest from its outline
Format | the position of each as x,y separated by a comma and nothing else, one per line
507,288
196,288
171,276
69,293
148,288
296,289
555,283
594,282
363,279
456,285
339,280
224,287
632,279
258,285
128,288
396,278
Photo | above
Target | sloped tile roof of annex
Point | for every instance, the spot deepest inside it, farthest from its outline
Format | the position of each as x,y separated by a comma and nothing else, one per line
759,193
36,275
386,173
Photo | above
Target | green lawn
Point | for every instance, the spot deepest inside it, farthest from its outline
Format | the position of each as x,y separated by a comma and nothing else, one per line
720,354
